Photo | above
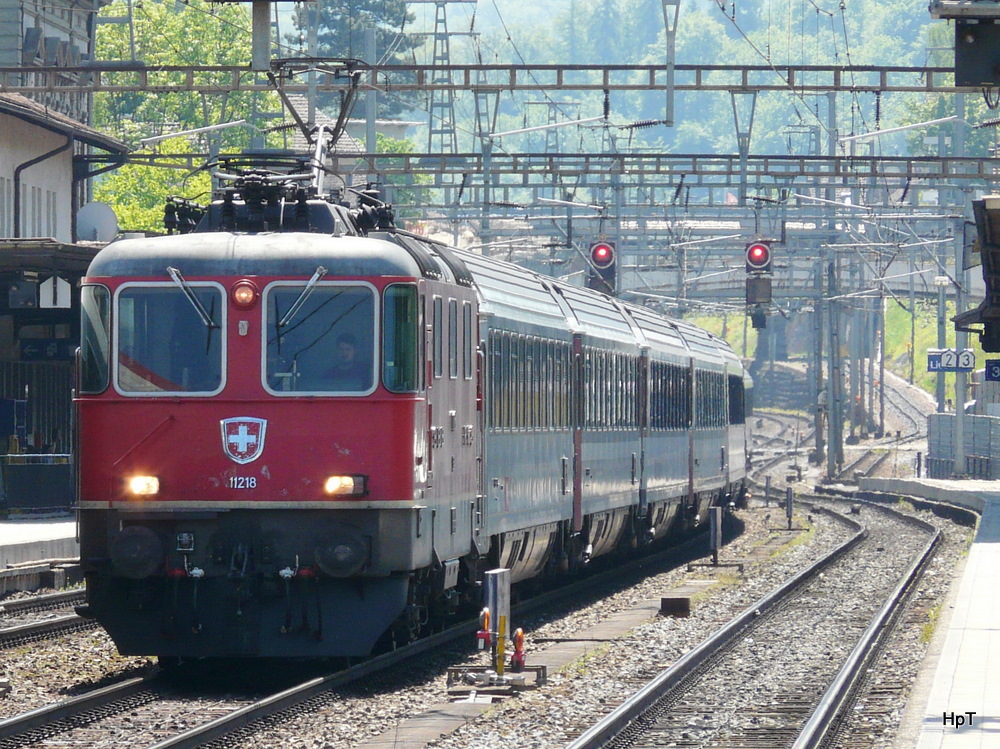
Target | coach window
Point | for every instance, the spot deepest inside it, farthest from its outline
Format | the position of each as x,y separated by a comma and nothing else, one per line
400,338
493,383
615,386
170,338
547,389
453,339
95,337
567,387
506,380
524,382
438,334
537,391
468,342
320,339
604,399
558,392
531,383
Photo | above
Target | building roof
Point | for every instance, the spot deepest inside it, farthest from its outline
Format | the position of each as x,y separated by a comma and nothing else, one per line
346,146
31,111
46,255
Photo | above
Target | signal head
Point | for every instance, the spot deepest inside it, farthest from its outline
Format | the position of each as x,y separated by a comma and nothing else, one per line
758,257
602,254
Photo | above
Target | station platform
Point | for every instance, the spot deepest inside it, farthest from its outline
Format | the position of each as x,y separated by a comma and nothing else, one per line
956,702
31,539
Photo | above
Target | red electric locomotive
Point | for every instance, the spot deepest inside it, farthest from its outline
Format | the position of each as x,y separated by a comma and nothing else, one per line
283,428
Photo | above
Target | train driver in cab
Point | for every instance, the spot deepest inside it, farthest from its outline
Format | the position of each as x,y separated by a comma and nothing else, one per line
349,372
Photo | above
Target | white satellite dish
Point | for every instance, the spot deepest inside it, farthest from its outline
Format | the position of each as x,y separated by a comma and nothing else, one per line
96,222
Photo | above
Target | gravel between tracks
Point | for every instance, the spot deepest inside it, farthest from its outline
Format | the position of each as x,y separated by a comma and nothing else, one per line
603,682
575,696
588,688
41,673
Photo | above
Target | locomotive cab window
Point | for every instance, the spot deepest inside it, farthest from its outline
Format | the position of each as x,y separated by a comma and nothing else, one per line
320,338
170,339
400,338
95,339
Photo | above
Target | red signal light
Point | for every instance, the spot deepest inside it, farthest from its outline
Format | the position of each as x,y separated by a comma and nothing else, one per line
602,254
758,256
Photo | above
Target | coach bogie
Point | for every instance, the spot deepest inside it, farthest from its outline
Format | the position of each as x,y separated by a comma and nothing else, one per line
605,532
526,553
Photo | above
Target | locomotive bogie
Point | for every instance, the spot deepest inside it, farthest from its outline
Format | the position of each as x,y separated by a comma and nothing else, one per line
223,617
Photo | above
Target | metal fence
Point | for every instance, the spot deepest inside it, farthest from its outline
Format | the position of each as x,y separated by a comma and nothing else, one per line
980,442
36,483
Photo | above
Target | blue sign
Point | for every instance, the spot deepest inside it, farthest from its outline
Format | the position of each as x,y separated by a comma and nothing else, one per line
951,360
993,370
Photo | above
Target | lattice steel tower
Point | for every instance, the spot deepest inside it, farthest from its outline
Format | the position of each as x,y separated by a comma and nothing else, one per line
441,132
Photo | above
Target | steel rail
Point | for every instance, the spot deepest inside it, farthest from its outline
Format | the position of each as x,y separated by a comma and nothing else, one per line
275,703
633,708
837,697
48,627
243,717
50,600
68,708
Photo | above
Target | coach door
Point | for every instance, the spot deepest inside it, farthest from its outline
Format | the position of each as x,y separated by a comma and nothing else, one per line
578,388
482,388
642,394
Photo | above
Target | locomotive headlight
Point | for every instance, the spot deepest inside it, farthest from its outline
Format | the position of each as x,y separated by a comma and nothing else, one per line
144,485
244,294
346,486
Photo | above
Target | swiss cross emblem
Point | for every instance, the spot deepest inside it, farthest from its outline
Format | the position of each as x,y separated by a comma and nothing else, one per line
243,438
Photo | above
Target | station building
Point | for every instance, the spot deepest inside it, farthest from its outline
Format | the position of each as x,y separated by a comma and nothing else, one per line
43,186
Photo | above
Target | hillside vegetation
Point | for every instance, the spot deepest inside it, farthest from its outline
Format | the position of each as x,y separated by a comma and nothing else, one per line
898,332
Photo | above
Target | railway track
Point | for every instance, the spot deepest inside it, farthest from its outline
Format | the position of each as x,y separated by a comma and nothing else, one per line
912,413
866,463
780,432
154,713
778,439
763,680
41,617
906,411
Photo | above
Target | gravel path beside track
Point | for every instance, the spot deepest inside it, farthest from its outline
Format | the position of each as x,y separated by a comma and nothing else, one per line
575,696
589,687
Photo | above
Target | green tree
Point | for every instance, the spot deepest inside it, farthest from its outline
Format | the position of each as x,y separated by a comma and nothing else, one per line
195,32
138,193
343,32
402,195
171,33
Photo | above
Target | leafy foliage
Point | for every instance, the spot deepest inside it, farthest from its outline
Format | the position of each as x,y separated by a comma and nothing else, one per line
138,193
194,32
343,32
170,33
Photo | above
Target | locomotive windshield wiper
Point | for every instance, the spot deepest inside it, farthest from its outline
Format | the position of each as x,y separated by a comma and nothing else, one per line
177,278
310,287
